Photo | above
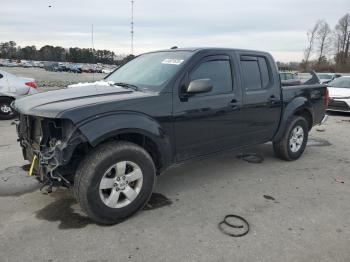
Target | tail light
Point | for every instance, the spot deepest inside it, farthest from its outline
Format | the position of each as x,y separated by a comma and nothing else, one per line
326,97
31,84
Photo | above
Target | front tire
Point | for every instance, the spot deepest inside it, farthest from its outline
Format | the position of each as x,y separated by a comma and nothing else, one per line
292,144
114,181
6,111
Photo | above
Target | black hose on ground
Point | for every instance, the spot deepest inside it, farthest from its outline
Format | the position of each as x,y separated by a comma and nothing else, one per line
244,225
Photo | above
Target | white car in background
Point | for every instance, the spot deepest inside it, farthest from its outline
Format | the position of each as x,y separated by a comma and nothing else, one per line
339,93
11,88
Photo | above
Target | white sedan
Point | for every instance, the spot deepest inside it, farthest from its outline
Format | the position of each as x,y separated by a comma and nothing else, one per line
11,88
339,93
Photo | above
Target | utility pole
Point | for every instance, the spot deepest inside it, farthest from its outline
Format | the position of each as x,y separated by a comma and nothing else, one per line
93,51
132,26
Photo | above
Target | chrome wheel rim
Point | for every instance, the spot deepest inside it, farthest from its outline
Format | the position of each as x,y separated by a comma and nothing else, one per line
296,139
6,109
121,184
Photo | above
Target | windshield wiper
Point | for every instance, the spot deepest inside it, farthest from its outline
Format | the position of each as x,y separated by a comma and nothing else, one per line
126,85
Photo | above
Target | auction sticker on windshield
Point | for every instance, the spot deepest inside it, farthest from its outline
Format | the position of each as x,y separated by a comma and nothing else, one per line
172,61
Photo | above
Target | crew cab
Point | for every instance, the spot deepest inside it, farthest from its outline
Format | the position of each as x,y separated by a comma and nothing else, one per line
109,140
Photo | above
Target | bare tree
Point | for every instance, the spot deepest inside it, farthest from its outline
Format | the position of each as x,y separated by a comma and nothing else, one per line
342,31
311,35
323,37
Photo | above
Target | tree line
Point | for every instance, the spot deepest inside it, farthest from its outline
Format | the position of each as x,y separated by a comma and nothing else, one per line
328,49
10,50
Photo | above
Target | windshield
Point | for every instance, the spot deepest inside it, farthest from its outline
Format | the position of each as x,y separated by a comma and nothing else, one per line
150,71
341,82
324,76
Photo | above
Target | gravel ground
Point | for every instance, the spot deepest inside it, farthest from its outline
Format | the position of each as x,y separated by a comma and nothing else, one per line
52,80
298,211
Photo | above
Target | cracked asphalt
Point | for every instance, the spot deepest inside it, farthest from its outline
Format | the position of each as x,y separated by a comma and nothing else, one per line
297,211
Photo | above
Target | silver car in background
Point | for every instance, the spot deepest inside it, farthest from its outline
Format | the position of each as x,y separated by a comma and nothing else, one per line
11,88
327,77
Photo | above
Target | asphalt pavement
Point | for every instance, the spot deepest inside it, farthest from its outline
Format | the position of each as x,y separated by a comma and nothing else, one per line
297,211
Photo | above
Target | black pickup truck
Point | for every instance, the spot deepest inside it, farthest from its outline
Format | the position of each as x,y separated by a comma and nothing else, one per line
109,140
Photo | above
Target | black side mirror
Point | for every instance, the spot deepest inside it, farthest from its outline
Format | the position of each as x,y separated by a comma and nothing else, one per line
200,86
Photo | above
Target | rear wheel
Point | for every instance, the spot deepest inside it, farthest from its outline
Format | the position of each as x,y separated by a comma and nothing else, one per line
6,111
114,181
292,145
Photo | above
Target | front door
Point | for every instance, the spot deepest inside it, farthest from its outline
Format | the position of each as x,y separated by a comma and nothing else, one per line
206,123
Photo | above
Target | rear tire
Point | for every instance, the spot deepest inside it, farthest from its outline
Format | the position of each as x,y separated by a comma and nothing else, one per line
293,142
6,111
114,181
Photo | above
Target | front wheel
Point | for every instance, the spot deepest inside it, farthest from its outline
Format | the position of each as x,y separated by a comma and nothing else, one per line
114,181
6,111
292,145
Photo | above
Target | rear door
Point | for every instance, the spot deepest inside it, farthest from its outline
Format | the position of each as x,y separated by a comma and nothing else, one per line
261,96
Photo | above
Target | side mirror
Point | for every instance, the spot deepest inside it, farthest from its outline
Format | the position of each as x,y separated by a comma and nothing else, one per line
200,86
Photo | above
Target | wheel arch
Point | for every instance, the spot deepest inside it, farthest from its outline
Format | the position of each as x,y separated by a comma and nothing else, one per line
137,128
305,113
299,106
7,97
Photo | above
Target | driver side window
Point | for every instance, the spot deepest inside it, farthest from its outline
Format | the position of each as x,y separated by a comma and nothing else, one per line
219,72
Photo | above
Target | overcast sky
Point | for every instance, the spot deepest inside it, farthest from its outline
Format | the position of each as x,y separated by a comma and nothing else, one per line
277,26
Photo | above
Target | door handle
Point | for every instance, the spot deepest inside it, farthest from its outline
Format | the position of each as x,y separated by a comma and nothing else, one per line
272,100
233,104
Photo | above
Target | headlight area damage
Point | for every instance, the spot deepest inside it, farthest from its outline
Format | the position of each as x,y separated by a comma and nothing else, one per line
58,146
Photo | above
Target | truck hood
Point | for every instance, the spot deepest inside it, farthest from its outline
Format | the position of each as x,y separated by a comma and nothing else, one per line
58,103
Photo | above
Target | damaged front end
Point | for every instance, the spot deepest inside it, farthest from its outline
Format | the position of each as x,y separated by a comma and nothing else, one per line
50,145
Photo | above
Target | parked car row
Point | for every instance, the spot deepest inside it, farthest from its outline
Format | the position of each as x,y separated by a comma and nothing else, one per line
327,77
60,66
292,77
78,68
289,78
20,63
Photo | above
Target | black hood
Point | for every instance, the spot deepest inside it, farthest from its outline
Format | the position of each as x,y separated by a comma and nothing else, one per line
59,103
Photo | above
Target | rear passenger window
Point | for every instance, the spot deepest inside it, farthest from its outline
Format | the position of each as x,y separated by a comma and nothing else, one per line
256,73
264,71
1,76
218,71
251,75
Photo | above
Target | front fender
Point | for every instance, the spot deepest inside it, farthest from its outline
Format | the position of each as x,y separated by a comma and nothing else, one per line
297,104
7,95
97,130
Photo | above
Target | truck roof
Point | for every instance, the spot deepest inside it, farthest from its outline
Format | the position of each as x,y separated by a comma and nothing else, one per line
196,49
